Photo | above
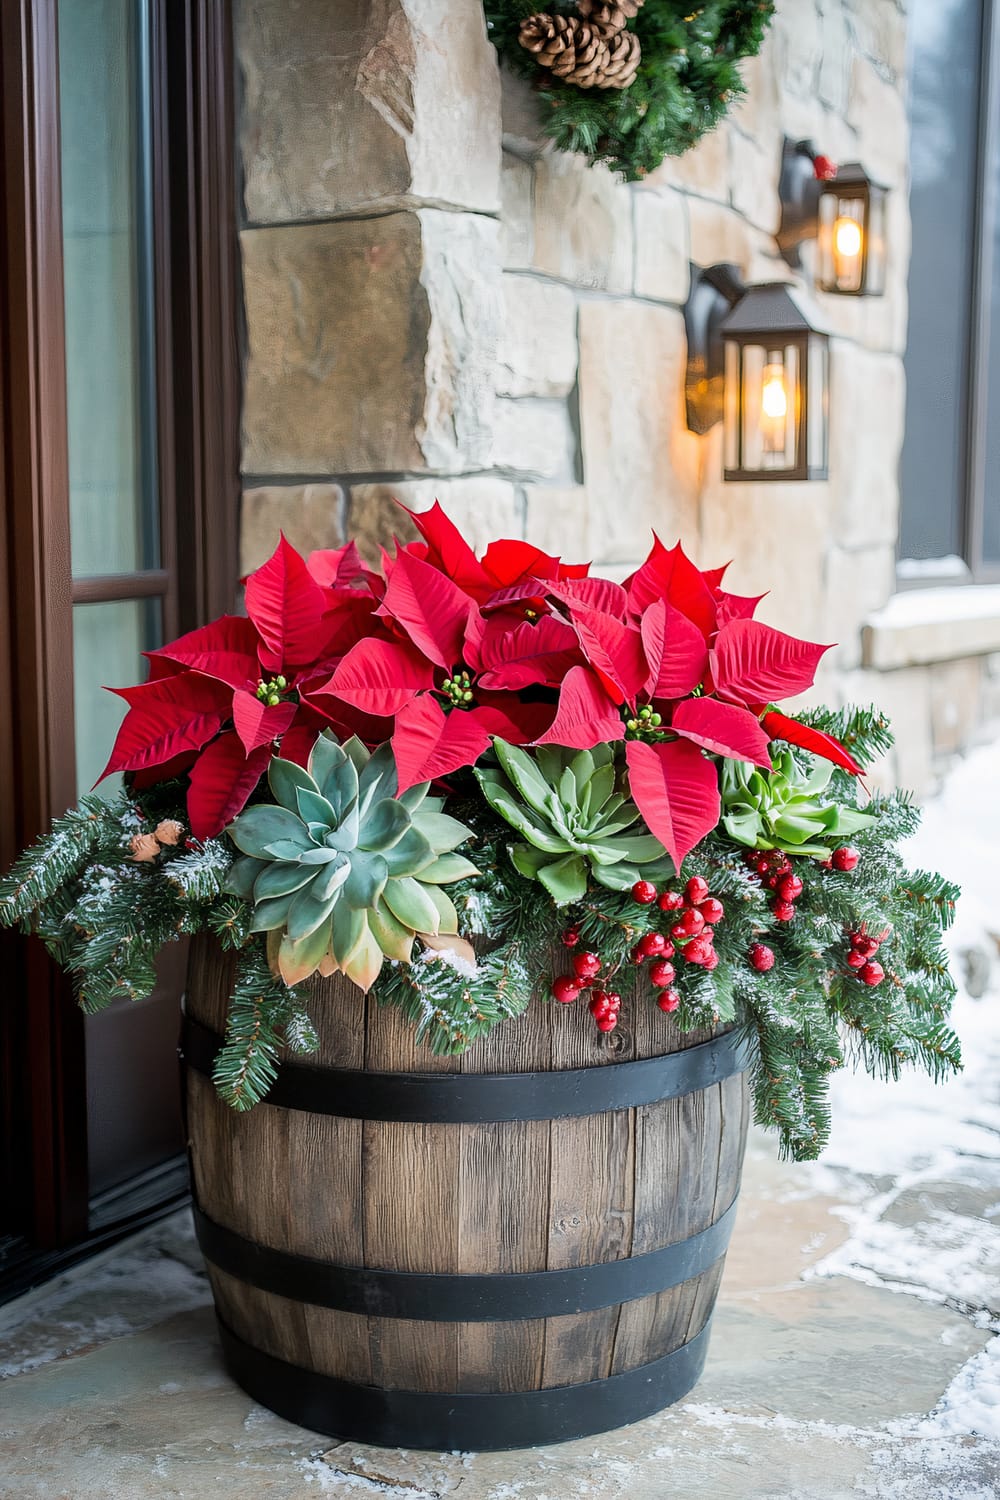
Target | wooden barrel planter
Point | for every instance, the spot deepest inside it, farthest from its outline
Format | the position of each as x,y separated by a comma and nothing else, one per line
517,1246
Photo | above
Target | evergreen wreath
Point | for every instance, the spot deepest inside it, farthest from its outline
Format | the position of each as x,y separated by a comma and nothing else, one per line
631,81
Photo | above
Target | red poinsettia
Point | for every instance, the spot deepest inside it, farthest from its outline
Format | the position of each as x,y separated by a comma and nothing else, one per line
218,699
443,650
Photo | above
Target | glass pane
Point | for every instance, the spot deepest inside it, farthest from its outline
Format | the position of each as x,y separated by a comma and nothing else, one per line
944,87
108,286
108,640
818,417
991,475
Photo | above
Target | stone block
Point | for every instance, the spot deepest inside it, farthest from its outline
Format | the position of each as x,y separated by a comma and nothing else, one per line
835,59
754,168
517,228
877,112
371,344
867,400
583,223
905,697
956,703
537,352
934,624
879,31
640,463
310,515
777,536
661,245
856,584
704,170
368,103
718,233
796,37
557,519
520,114
374,517
535,437
758,112
482,508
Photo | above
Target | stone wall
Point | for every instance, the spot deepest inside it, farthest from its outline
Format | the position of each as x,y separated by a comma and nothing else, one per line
437,307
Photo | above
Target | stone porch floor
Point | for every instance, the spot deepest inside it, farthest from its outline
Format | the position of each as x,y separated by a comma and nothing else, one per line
854,1352
818,1386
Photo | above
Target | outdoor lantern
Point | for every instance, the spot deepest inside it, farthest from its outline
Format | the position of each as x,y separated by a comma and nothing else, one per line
851,219
776,402
840,207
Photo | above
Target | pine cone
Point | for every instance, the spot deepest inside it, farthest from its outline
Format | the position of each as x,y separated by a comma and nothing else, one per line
567,46
623,55
608,17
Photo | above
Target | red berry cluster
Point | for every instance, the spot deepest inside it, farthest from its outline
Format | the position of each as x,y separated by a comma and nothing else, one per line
863,947
776,872
697,914
604,1005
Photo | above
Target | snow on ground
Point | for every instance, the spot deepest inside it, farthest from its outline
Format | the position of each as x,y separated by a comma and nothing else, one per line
917,1168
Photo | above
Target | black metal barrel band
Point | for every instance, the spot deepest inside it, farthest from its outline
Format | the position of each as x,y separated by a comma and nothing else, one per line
483,1098
462,1297
449,1420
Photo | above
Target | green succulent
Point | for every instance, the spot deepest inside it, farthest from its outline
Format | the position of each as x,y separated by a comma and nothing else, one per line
341,872
576,822
784,808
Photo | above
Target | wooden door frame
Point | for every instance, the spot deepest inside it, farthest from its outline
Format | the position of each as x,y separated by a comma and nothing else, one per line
42,1063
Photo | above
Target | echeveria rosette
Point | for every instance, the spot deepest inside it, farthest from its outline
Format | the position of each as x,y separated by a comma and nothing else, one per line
341,871
575,820
785,808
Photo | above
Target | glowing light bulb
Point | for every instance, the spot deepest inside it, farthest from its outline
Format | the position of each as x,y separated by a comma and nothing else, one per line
847,238
773,397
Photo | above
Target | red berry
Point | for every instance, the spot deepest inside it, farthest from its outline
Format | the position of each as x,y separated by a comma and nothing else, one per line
696,890
599,1003
607,1023
789,888
761,957
866,947
669,1000
857,960
614,1001
712,910
826,864
692,922
644,891
711,962
773,881
586,965
871,973
571,937
845,858
671,901
662,973
784,911
565,989
699,950
763,865
651,944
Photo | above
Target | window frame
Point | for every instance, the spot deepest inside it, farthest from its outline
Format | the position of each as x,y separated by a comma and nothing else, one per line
43,1166
969,498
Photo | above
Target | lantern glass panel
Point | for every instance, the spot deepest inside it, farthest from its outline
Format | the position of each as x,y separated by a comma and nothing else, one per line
842,251
818,398
731,408
770,407
874,283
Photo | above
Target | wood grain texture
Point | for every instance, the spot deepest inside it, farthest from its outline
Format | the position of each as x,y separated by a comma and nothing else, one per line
457,1199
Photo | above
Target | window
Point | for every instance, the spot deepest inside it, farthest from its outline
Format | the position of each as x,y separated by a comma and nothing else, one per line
950,473
119,475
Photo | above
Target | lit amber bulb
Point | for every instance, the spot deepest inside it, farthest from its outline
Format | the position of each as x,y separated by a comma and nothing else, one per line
847,238
773,397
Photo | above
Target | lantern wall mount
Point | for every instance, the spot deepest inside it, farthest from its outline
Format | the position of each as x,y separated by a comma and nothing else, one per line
756,362
844,210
